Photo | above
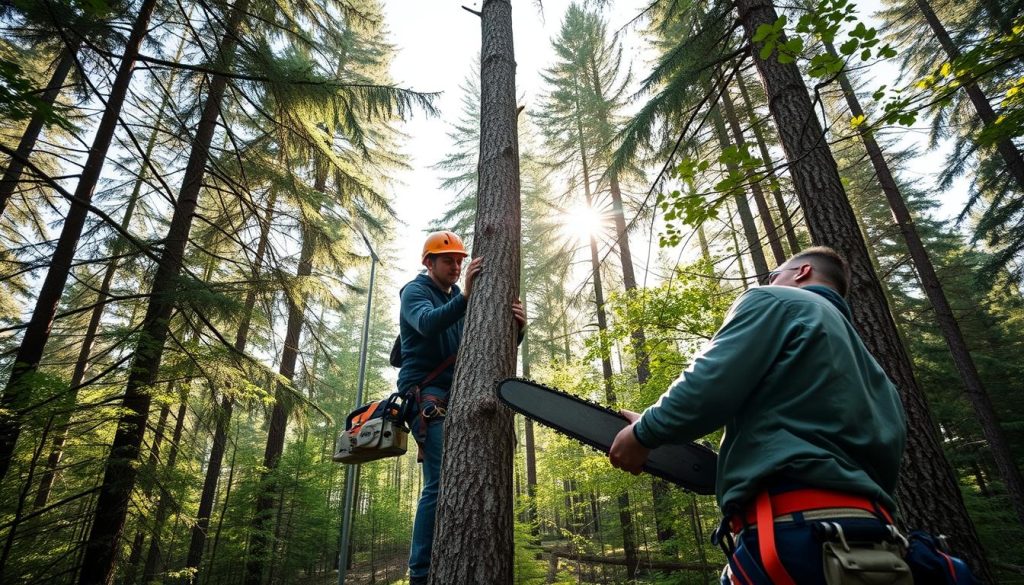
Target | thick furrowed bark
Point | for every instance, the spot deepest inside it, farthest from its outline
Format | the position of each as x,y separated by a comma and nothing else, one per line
474,509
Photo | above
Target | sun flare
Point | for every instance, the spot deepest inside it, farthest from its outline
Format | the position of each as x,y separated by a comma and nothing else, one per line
581,222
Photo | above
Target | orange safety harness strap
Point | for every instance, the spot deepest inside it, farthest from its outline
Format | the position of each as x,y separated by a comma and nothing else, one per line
766,542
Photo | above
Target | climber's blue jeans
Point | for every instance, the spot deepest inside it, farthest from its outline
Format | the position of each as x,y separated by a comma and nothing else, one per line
423,528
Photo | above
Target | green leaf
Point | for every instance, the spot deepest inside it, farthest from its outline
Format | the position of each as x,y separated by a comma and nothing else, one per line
849,47
762,33
766,50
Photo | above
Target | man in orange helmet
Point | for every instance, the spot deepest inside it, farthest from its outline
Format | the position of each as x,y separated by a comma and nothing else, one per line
433,307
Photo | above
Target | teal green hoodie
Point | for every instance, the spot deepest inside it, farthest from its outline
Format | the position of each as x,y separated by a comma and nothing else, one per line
801,399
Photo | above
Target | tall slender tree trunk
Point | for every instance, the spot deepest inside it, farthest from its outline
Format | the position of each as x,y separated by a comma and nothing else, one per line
625,517
220,435
27,144
773,180
948,324
1005,146
736,246
154,458
120,473
85,352
742,207
475,507
164,506
755,187
259,543
928,491
662,504
529,442
26,362
224,507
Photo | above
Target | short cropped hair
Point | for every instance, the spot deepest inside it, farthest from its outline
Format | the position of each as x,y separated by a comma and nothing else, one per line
830,266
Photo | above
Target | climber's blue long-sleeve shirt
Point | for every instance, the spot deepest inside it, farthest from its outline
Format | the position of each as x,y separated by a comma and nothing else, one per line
431,329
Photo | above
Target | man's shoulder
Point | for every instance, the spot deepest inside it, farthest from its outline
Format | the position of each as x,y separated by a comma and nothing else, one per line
778,298
785,294
419,284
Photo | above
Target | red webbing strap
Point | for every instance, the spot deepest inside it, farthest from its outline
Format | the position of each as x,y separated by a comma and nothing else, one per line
437,371
815,499
421,434
766,542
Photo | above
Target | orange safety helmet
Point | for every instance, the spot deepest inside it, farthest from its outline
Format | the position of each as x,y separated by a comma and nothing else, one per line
443,243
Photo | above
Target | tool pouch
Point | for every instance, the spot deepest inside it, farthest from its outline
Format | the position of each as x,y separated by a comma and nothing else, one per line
874,564
373,431
931,561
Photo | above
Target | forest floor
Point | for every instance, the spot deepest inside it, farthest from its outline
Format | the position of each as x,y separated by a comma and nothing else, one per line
390,571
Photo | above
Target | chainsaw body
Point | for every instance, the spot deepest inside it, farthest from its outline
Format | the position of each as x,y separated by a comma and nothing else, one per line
373,431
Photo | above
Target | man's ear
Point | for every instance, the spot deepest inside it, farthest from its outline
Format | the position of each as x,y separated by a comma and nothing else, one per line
804,272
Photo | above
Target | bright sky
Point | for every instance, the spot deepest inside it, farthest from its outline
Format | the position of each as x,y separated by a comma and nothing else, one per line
437,42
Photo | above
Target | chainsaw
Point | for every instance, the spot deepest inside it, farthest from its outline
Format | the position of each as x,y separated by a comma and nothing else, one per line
688,465
373,431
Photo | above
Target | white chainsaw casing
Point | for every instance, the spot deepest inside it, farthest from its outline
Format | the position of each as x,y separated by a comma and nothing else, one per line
375,439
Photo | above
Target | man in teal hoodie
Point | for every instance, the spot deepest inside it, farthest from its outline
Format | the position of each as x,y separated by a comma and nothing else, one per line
432,312
811,421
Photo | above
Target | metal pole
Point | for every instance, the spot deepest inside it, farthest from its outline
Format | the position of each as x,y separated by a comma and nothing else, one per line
352,475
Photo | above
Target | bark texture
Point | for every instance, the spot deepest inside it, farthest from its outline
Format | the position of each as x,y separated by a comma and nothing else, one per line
475,508
928,493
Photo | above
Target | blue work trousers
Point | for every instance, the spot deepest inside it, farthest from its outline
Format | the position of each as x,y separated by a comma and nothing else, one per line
423,527
799,548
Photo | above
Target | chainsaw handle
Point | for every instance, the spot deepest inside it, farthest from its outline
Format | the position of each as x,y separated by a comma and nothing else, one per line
386,404
355,413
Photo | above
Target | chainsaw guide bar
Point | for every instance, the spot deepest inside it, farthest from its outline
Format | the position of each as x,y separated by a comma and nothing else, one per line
688,465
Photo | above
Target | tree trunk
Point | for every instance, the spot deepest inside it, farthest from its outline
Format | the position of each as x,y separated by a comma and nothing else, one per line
736,247
755,187
27,144
119,474
928,492
743,208
227,500
1005,146
154,458
85,353
625,518
164,507
773,179
259,543
529,444
220,436
475,507
37,332
948,324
